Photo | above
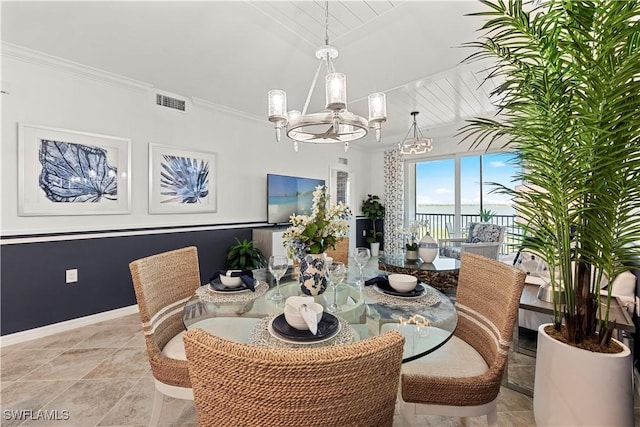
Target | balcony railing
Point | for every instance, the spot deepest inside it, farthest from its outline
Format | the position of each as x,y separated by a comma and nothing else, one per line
441,226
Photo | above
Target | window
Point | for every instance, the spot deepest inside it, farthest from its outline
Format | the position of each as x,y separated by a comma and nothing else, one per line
450,192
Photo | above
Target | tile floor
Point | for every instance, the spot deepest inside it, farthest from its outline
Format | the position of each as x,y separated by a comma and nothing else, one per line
100,375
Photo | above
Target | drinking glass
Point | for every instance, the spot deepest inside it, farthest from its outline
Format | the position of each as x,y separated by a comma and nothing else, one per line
335,272
278,265
361,256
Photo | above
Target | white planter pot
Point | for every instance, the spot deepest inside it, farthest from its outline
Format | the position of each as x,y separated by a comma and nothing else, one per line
428,248
575,387
375,248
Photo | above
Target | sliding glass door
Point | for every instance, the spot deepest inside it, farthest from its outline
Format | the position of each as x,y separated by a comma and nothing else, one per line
451,192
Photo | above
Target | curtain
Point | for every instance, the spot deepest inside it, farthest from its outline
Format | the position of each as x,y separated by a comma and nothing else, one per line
393,201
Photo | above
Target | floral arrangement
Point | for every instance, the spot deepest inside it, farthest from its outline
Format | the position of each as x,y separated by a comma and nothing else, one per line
315,233
411,231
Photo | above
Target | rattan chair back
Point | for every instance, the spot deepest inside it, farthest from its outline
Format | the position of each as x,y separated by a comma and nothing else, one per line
341,252
487,300
237,384
163,283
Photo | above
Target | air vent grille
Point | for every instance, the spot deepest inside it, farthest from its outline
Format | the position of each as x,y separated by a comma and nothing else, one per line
343,161
167,101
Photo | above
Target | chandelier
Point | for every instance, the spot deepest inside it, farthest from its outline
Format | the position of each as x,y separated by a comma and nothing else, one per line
336,123
417,145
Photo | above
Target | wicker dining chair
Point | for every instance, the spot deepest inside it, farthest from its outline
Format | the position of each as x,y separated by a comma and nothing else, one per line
238,384
463,377
163,283
341,252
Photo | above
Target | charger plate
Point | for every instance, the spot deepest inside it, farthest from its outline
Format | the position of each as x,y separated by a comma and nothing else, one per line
327,328
260,335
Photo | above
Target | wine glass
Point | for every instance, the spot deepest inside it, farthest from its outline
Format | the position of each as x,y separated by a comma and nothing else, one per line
278,265
335,272
361,256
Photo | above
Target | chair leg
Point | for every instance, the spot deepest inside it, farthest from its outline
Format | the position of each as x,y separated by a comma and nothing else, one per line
158,399
408,412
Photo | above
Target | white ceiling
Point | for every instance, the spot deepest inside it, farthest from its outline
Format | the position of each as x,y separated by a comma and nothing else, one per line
232,52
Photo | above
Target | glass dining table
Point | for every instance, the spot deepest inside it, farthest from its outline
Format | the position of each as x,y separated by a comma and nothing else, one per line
427,320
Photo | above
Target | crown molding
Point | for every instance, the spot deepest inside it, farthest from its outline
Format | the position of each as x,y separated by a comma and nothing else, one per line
199,102
24,54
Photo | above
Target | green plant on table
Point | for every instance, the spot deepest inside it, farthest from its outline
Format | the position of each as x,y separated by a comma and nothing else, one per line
412,246
568,98
244,256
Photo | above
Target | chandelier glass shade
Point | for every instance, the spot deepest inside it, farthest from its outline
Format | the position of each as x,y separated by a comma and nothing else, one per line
336,123
419,144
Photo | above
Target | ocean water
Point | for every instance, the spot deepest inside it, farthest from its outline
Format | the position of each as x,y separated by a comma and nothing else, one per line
465,209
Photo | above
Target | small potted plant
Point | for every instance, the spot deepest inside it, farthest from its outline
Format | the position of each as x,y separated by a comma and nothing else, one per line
486,215
412,240
244,256
412,250
374,210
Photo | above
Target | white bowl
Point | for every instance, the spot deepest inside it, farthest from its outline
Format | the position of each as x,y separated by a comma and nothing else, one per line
403,282
294,318
231,282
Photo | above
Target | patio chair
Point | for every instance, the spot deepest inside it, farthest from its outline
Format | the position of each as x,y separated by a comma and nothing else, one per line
463,377
482,239
163,283
237,384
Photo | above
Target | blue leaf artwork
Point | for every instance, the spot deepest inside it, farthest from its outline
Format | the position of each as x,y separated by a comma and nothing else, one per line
184,180
76,173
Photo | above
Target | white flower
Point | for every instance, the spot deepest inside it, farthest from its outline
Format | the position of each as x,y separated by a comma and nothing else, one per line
319,231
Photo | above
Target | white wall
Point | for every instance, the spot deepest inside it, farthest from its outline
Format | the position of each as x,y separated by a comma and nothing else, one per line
53,92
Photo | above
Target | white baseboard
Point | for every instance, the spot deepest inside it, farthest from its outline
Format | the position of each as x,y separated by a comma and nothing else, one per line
67,325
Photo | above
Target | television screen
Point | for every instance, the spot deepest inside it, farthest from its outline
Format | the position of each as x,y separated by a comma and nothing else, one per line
288,195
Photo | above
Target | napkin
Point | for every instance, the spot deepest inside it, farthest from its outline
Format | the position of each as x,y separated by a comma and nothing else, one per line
307,313
381,279
245,275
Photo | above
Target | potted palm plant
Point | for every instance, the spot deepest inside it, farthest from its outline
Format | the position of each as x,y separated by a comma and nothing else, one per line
568,91
374,210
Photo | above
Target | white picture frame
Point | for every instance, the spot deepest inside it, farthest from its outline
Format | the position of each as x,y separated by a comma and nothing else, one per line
68,172
170,168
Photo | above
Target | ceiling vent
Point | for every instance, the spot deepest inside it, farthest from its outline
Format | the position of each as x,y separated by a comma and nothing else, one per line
167,101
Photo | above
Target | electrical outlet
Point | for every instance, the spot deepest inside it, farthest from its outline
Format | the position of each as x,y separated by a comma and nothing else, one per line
364,233
72,275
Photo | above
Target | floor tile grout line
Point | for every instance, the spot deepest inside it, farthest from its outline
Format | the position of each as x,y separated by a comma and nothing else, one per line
135,383
39,366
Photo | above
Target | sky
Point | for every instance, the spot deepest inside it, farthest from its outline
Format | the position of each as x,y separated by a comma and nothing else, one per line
435,180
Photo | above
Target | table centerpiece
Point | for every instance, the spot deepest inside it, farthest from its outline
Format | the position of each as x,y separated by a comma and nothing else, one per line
309,236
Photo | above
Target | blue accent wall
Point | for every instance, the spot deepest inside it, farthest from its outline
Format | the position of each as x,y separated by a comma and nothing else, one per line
34,292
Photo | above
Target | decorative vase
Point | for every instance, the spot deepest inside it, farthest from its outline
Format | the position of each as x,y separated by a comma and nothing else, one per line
411,255
577,387
375,248
312,278
428,248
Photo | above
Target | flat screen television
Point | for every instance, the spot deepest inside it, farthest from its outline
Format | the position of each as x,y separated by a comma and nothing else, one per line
288,195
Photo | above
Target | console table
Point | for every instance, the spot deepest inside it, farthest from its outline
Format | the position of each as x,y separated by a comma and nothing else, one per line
442,273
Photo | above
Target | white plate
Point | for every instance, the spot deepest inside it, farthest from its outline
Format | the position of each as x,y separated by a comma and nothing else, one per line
377,289
287,340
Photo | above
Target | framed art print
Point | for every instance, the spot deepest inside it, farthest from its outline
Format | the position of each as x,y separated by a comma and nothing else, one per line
181,180
67,172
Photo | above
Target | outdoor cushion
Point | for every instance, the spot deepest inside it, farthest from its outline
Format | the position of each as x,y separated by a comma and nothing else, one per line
483,233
